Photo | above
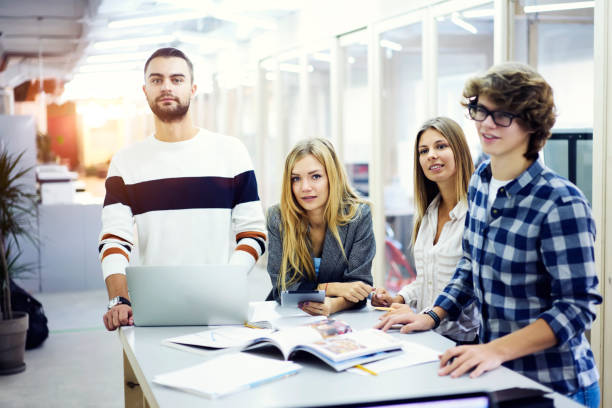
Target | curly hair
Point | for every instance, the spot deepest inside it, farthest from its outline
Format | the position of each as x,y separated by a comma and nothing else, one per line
519,89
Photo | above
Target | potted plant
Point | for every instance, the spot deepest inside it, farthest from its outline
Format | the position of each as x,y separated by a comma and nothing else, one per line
17,211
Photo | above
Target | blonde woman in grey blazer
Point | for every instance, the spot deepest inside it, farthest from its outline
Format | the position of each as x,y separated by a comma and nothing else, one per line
320,235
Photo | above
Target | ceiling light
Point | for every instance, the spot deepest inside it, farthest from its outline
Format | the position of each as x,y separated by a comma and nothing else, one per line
162,18
321,56
160,39
559,6
290,68
265,23
111,67
128,56
204,41
478,13
351,60
391,45
106,85
289,55
269,64
295,68
455,19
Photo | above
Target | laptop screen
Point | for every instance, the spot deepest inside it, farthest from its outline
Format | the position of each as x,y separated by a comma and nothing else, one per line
467,402
462,400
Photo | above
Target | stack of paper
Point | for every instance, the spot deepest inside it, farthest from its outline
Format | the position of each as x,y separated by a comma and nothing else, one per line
227,374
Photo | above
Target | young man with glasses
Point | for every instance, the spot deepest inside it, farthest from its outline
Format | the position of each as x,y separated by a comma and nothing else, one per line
528,248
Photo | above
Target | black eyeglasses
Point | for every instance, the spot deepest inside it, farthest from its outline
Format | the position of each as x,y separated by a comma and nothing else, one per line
479,113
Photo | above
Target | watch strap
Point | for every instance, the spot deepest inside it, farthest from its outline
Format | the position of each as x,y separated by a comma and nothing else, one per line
434,316
118,300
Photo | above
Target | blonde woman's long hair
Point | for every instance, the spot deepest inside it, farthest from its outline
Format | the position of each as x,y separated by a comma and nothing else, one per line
341,207
426,190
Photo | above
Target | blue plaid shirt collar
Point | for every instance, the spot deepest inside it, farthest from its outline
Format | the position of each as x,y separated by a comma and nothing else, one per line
516,186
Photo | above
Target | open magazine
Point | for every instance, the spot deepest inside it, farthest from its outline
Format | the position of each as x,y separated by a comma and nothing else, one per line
330,340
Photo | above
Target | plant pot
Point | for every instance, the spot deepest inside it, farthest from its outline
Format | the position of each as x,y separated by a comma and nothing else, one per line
12,343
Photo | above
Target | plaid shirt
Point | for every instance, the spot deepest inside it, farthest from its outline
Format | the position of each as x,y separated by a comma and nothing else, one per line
532,258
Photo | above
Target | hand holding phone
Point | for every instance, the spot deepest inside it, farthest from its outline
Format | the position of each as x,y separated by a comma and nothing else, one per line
291,298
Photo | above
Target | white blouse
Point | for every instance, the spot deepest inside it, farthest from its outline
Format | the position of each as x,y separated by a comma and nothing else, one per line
435,266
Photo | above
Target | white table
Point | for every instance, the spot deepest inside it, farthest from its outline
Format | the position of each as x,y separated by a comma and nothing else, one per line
316,384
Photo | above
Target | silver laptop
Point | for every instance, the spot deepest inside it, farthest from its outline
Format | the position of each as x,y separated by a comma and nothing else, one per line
188,295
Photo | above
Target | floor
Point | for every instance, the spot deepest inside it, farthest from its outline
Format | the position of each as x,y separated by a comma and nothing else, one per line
80,364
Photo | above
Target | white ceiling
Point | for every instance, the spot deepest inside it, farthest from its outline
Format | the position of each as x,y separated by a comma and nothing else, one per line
60,39
54,38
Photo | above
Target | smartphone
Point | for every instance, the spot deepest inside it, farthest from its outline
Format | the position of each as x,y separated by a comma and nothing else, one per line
291,298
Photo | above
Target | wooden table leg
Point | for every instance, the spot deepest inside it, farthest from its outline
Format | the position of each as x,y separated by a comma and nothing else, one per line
134,398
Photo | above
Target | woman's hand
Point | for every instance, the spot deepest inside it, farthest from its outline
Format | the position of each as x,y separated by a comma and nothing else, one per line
381,297
319,309
352,291
479,358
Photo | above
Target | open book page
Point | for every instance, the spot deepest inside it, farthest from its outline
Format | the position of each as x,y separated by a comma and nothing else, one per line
221,337
227,374
352,345
413,354
287,340
238,336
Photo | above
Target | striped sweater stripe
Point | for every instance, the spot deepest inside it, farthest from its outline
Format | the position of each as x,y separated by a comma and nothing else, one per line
182,193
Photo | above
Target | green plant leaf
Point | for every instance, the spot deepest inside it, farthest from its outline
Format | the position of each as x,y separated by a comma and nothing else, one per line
18,211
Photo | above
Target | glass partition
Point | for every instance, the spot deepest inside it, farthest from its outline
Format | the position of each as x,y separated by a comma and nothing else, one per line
465,48
318,120
291,130
402,112
559,44
557,39
356,109
227,120
570,153
270,185
246,114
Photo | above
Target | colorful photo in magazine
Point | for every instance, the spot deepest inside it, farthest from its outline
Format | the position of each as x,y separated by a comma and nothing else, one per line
339,346
330,327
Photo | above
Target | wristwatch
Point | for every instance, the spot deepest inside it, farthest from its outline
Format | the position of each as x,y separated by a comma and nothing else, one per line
434,316
118,300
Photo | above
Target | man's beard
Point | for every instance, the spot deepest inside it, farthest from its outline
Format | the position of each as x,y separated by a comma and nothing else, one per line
167,114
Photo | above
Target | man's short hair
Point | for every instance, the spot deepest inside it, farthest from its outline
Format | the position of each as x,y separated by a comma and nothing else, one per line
170,52
519,89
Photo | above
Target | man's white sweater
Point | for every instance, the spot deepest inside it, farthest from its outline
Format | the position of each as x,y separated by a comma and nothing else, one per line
191,201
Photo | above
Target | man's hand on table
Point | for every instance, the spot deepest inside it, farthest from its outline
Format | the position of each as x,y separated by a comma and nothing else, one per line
119,315
479,358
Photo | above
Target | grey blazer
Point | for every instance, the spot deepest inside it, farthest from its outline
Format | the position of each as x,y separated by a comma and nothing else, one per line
358,240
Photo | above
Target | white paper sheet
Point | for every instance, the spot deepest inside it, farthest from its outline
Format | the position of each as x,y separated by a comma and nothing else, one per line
227,374
413,354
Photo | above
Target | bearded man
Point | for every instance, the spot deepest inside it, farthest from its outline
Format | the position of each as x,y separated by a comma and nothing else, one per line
188,190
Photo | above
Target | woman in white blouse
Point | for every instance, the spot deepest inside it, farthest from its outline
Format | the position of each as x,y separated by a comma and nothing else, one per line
443,167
